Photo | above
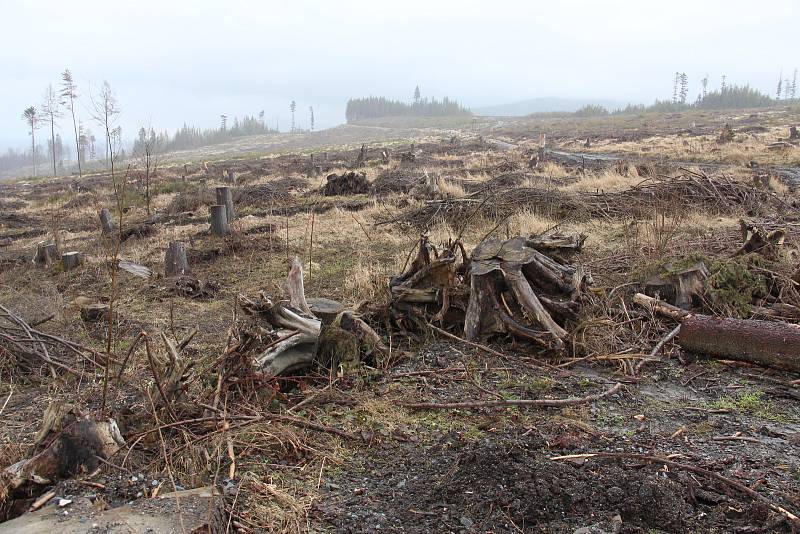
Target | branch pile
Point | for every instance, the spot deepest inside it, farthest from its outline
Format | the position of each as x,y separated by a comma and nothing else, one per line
348,183
689,191
523,287
32,348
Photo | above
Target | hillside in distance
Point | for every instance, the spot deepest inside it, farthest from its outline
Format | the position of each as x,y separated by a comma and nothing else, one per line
544,104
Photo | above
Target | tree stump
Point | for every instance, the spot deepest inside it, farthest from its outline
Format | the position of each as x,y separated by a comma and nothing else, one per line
65,447
219,220
542,148
325,309
46,253
175,262
231,177
71,260
106,221
92,313
225,197
362,156
794,135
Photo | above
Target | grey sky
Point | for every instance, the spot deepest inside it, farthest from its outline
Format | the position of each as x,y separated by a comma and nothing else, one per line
189,61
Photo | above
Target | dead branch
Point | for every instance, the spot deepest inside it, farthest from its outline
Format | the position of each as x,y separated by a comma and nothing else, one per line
542,403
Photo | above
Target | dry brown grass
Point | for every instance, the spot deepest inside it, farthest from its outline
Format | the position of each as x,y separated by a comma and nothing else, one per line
607,180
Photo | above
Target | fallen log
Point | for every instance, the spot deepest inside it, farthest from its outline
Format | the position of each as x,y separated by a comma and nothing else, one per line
660,307
767,343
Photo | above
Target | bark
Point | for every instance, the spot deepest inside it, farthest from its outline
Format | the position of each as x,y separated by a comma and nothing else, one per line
71,260
69,443
225,197
482,318
175,262
106,222
219,220
765,343
660,307
46,254
297,294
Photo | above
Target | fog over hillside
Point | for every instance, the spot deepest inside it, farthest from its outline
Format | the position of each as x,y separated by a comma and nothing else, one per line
181,61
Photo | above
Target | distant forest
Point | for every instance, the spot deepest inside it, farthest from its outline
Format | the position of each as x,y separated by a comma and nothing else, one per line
727,97
192,137
91,154
377,106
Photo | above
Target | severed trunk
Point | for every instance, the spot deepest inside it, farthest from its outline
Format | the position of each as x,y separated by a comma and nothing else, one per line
71,260
106,222
67,444
219,220
225,198
767,343
175,262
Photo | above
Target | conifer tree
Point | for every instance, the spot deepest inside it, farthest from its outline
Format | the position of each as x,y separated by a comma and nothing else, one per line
31,118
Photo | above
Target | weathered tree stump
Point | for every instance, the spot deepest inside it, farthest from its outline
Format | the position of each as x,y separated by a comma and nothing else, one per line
46,253
325,309
219,220
362,156
225,197
71,260
725,135
106,221
231,177
92,313
175,262
794,135
69,443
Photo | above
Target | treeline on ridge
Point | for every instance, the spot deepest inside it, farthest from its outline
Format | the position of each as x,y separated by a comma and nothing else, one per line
378,106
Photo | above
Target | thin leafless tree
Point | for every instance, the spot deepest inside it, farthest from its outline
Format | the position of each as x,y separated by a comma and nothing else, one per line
146,149
104,112
51,108
69,93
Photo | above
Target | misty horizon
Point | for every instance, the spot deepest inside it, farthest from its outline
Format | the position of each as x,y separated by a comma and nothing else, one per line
186,63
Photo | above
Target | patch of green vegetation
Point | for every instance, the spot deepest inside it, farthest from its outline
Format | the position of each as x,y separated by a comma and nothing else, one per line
733,284
585,383
472,433
541,384
609,420
172,186
731,287
752,402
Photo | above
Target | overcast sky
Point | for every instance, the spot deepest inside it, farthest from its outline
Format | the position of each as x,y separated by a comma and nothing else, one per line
176,61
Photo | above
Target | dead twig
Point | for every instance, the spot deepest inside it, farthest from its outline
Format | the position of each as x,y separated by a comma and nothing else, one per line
542,403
